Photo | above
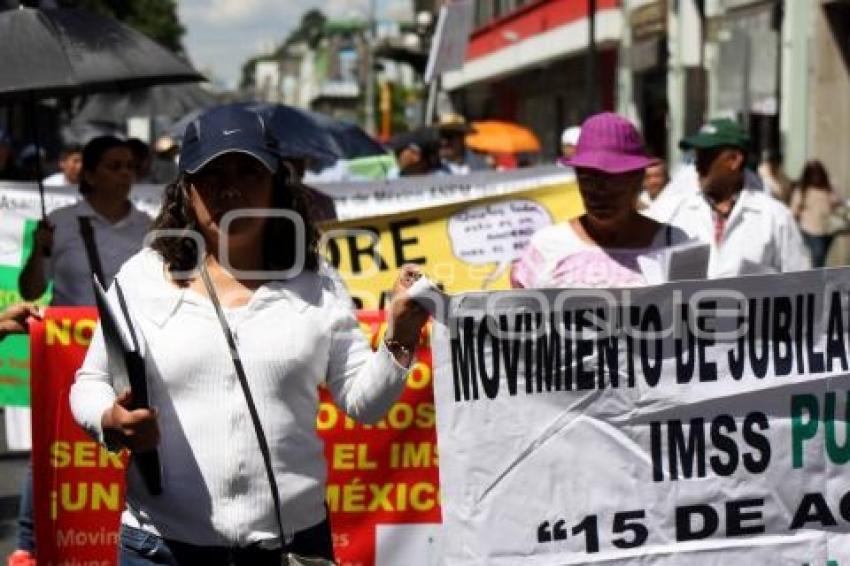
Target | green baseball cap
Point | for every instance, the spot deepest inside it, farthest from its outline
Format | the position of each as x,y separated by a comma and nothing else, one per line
721,132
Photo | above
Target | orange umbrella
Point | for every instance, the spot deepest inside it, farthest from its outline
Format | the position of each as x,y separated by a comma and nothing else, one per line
494,136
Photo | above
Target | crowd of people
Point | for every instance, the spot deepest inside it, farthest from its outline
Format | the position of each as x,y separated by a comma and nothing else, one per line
816,207
214,342
153,164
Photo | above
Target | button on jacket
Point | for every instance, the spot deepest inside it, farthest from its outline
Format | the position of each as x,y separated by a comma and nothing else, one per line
760,235
292,336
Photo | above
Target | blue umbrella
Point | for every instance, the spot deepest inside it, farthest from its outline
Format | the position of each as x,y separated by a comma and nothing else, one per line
352,141
319,139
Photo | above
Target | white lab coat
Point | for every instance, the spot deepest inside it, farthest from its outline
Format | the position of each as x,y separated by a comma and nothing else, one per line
760,235
683,184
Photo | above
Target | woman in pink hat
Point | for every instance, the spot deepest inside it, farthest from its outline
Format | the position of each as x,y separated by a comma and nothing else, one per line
601,247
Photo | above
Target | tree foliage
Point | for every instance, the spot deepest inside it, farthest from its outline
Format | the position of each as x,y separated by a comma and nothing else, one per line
310,30
157,19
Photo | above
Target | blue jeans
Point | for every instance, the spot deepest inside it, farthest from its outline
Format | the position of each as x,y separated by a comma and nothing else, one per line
26,527
818,248
139,548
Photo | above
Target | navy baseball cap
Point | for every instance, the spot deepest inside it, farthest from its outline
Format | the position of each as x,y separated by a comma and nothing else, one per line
227,129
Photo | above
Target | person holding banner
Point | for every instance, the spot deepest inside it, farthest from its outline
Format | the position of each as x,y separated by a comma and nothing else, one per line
240,323
61,252
14,319
601,248
95,235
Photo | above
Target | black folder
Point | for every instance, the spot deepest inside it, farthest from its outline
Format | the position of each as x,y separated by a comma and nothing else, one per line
126,362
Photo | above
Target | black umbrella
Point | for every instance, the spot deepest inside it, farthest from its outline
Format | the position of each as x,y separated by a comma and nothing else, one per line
80,132
59,52
169,101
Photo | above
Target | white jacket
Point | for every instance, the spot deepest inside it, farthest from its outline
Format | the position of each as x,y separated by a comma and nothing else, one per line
760,235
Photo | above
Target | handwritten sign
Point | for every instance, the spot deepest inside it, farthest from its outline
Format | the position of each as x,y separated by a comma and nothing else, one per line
496,232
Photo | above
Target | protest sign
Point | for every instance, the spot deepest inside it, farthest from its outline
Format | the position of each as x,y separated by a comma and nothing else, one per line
15,245
359,200
382,487
78,486
24,199
462,246
701,422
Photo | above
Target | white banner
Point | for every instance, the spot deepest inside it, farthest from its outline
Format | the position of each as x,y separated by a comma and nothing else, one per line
702,422
23,198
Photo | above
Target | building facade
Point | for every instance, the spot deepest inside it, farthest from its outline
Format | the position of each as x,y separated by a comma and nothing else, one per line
528,62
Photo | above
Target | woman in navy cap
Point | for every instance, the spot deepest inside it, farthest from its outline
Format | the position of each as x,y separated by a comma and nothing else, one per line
233,270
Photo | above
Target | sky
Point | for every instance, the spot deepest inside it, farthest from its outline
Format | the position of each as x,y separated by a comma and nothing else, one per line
222,34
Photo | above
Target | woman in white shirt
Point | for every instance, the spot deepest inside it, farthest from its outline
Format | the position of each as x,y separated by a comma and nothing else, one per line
293,328
118,229
813,201
599,249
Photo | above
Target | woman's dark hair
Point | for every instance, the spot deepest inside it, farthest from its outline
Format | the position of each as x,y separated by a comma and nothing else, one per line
279,252
92,156
814,176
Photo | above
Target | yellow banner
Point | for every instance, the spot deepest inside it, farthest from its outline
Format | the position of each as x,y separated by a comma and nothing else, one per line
466,246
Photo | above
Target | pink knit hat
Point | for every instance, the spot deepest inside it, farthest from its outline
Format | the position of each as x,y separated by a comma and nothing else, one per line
610,143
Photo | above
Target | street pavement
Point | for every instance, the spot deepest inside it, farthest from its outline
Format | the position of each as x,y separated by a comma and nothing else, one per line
13,466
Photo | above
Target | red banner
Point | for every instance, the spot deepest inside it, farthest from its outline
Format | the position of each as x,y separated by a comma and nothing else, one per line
383,480
383,488
78,485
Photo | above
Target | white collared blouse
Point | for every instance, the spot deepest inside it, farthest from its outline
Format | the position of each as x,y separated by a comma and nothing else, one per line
292,336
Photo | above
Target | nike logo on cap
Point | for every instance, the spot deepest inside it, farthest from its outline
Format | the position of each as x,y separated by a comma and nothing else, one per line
228,132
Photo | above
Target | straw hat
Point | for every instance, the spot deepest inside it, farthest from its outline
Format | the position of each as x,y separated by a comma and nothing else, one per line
454,123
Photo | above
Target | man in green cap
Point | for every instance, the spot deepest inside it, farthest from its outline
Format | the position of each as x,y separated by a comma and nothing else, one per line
749,232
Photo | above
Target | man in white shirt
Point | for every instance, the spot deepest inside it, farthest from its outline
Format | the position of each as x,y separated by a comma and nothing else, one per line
70,167
748,231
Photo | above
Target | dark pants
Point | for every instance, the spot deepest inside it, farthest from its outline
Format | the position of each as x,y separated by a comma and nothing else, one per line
26,527
818,247
138,548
